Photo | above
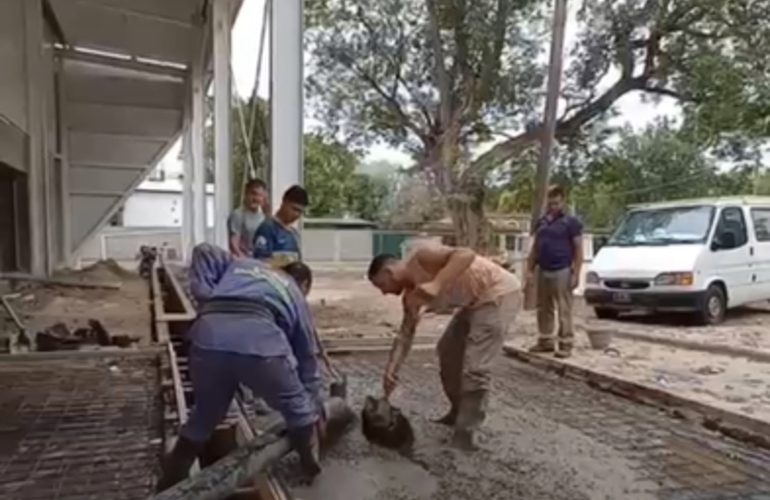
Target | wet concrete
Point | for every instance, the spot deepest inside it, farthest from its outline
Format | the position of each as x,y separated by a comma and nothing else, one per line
545,438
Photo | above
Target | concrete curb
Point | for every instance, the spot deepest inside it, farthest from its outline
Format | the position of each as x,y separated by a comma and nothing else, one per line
725,350
740,427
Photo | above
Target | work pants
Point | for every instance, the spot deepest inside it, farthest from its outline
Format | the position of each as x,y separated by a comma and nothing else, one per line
467,350
216,376
554,295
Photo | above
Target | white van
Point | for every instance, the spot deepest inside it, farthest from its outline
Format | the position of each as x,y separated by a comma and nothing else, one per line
701,256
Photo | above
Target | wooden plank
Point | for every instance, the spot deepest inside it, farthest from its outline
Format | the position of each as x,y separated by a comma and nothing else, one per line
266,486
352,349
60,281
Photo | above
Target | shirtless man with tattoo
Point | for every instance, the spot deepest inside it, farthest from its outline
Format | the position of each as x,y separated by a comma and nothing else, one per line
487,299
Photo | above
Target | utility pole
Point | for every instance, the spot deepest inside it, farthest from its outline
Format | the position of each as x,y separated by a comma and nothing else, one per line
549,125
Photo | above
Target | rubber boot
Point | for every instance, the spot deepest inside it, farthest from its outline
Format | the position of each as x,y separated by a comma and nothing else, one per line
305,443
564,351
542,347
469,418
176,466
450,419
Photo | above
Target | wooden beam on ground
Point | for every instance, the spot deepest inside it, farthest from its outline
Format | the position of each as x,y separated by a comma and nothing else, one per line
65,282
223,478
266,486
374,344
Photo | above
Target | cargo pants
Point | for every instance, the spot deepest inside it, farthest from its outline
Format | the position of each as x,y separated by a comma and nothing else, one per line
467,350
554,295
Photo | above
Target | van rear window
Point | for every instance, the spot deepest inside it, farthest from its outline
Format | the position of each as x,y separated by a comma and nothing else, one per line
761,219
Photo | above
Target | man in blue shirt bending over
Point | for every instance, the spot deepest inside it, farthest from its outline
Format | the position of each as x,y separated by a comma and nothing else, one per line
275,240
253,328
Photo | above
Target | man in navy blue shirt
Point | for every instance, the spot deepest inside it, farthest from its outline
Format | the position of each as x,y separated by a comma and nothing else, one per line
253,328
275,241
555,260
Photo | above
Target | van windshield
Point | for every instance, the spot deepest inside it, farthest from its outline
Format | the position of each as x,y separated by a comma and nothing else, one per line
664,226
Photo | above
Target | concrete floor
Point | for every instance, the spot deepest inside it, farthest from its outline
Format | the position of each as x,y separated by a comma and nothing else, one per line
546,438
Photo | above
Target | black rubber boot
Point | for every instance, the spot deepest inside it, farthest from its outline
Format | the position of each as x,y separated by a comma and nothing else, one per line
543,347
469,418
176,466
565,349
305,442
463,439
450,419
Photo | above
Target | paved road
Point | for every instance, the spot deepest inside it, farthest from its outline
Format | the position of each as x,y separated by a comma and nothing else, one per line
546,439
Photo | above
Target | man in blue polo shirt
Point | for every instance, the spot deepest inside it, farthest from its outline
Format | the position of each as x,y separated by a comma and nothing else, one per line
555,260
275,241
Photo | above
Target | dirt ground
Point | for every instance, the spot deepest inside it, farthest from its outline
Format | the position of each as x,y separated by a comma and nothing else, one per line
123,311
347,306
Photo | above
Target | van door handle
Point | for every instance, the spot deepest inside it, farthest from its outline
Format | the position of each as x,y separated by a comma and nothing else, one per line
751,251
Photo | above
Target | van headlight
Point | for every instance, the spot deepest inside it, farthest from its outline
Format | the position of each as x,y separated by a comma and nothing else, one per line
676,279
592,278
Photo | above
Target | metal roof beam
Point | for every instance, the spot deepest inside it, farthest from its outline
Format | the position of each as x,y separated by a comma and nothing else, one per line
123,63
146,10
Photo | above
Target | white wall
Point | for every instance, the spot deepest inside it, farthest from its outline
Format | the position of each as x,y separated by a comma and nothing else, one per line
337,245
13,81
13,86
159,209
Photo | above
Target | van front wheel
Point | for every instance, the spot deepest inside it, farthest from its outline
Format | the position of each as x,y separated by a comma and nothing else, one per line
713,311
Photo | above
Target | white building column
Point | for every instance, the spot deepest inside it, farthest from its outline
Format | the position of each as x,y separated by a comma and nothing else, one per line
197,154
187,189
222,123
33,26
286,97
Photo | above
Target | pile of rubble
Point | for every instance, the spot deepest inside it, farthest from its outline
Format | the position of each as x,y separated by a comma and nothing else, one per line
59,337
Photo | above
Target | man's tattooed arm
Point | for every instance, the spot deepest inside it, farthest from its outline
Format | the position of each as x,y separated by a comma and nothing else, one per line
402,344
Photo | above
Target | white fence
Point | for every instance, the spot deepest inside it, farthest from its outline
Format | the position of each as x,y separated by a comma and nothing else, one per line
318,245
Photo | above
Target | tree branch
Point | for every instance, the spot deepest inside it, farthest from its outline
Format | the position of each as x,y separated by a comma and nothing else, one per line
670,93
390,99
505,150
491,58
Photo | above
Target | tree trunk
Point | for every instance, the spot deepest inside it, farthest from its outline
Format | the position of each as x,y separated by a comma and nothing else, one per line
466,207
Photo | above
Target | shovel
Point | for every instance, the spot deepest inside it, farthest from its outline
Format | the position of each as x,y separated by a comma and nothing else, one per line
338,388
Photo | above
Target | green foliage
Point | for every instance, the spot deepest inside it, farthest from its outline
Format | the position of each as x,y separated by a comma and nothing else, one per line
437,77
656,164
331,173
336,188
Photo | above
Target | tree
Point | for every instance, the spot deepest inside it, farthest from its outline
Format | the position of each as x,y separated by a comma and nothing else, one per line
335,189
330,167
439,77
660,162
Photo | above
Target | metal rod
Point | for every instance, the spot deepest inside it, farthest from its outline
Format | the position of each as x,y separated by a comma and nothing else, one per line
551,105
223,478
11,312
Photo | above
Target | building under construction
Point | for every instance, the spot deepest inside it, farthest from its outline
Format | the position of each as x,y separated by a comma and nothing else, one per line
93,94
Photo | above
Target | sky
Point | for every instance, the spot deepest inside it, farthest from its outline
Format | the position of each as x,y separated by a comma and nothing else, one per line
245,48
